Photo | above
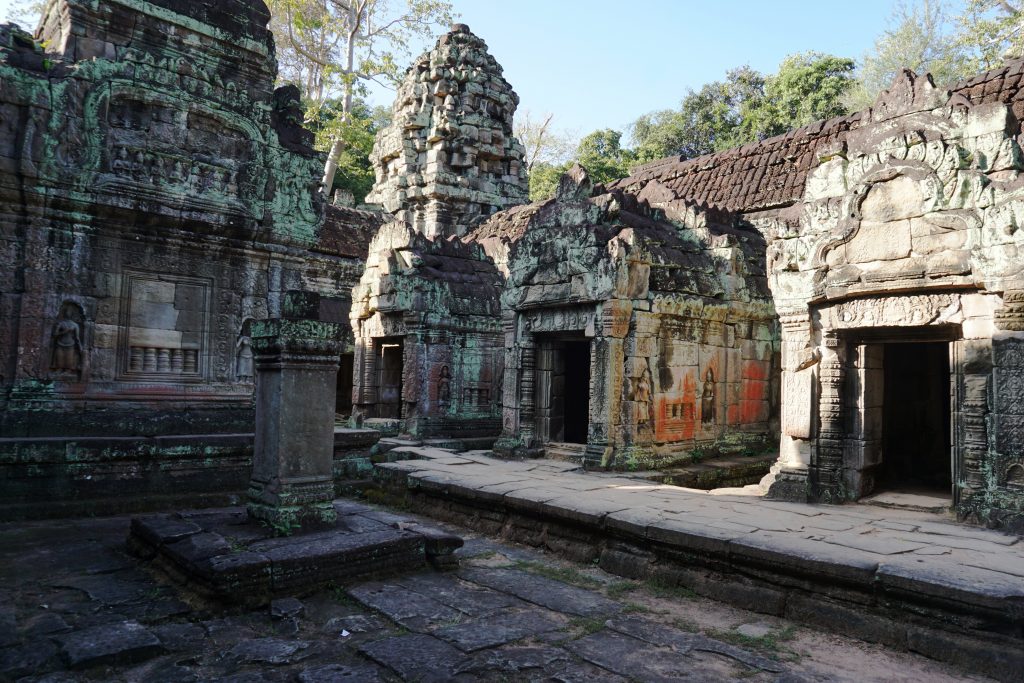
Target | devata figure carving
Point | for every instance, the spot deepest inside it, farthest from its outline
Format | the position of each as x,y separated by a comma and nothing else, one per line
243,360
707,398
67,342
444,382
642,396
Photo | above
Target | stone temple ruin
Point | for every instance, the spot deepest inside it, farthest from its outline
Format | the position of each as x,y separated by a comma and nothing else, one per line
852,291
427,311
659,306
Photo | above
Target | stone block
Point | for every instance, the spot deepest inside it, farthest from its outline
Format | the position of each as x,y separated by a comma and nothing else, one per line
120,643
937,243
816,610
996,657
893,200
978,328
988,118
879,242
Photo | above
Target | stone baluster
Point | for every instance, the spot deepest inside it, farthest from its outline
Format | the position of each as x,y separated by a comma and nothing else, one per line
135,355
527,405
190,362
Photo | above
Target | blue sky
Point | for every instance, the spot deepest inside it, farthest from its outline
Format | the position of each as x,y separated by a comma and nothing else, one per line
602,63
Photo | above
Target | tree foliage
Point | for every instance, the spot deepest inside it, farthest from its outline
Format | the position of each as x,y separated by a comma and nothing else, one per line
542,142
808,87
919,37
354,172
332,48
992,31
25,13
600,152
745,107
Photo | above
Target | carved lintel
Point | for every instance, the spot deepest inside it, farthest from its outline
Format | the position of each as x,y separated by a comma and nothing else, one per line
894,311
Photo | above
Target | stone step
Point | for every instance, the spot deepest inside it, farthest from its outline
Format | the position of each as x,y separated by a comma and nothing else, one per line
718,472
566,452
911,500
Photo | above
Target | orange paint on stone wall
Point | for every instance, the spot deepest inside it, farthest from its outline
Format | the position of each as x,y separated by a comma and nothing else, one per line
675,411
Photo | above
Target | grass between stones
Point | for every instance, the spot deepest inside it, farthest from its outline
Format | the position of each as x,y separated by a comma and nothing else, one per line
620,588
770,643
584,626
564,574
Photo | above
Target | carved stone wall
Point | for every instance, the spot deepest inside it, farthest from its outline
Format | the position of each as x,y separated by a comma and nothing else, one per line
673,303
439,300
908,230
156,194
900,222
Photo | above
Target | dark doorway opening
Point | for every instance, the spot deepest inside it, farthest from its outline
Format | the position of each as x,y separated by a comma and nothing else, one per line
577,391
389,377
916,451
563,390
343,397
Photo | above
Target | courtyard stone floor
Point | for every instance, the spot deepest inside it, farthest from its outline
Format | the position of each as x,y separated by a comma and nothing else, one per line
74,606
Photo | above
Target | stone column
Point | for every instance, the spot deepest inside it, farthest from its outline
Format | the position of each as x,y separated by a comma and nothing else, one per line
973,370
788,479
827,467
527,378
292,486
611,326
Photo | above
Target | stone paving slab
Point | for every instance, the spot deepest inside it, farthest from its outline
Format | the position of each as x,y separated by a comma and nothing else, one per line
116,643
918,569
499,629
539,590
512,614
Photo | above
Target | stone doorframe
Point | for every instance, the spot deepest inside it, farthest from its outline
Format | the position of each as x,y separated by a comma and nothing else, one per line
861,405
821,379
605,325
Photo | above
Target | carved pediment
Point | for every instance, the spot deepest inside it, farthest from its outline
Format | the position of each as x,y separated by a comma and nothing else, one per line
908,93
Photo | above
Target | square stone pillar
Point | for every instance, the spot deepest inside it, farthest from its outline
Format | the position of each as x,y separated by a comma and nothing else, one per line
292,484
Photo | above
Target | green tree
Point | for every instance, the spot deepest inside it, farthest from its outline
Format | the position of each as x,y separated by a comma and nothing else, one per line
808,87
332,48
919,37
708,120
544,179
991,31
602,154
354,172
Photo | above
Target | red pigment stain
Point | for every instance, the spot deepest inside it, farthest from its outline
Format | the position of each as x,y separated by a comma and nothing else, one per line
755,369
754,391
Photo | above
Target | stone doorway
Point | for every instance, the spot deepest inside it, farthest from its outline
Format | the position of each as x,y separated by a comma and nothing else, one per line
389,353
898,415
563,390
915,419
343,397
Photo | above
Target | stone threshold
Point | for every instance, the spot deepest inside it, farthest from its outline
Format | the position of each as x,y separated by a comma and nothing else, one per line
221,555
908,580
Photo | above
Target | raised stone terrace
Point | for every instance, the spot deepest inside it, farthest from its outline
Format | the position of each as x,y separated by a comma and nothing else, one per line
911,580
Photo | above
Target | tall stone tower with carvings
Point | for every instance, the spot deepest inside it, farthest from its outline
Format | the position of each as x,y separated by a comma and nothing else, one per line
449,159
